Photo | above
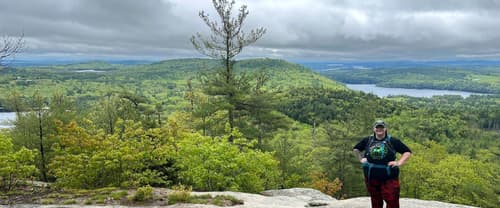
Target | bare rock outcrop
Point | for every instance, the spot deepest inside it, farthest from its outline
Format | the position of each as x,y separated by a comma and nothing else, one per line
304,197
283,198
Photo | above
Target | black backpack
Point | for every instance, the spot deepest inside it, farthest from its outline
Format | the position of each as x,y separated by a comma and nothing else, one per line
387,142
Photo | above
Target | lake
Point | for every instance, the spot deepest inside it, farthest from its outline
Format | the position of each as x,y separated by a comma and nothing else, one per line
6,118
384,91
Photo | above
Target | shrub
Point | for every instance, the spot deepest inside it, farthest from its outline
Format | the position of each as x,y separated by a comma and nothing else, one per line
143,194
14,166
321,182
128,159
214,164
233,200
180,194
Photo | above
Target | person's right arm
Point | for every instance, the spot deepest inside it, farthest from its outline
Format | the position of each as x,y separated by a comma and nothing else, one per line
359,156
358,148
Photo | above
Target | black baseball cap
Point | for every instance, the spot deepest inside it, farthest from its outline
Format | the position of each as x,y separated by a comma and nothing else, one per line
379,123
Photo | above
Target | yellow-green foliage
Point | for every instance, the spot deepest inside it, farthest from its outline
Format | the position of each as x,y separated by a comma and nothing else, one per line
70,201
181,194
48,201
214,164
14,166
144,193
88,161
118,195
433,174
99,198
232,199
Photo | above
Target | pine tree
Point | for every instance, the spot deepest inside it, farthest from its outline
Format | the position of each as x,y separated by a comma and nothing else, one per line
226,41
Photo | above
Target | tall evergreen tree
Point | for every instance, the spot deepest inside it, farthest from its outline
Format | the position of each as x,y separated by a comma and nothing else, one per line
226,41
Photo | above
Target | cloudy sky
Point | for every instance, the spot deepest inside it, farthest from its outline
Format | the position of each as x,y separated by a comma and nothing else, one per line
313,30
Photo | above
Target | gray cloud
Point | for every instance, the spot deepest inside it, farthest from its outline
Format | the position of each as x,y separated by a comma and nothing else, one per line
296,29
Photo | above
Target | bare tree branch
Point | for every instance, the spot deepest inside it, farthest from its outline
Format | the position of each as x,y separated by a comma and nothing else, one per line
10,47
227,39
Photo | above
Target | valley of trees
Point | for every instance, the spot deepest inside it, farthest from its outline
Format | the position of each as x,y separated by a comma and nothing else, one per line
131,126
240,125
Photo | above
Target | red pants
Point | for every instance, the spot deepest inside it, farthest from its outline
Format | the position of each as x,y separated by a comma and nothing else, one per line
381,191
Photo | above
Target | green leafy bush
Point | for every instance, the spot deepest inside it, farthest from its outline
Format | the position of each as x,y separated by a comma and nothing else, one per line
14,166
126,159
144,193
214,164
182,194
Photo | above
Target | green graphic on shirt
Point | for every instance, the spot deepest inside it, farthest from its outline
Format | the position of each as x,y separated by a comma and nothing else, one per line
378,151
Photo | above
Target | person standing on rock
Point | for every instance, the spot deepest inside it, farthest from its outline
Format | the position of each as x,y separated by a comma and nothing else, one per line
380,167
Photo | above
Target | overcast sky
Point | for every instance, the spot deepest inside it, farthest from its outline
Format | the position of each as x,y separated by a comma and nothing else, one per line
339,30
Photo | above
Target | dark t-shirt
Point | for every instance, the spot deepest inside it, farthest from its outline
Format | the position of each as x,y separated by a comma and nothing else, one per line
381,152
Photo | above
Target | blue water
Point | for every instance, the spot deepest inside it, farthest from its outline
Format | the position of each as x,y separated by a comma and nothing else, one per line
384,91
6,119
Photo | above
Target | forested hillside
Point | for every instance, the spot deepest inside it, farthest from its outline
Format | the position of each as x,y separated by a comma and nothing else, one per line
163,82
98,125
471,79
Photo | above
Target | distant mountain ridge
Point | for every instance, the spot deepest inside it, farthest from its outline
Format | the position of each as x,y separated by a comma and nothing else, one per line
49,62
332,65
314,65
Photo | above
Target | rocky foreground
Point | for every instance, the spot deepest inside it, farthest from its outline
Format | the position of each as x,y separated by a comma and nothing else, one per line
285,198
302,197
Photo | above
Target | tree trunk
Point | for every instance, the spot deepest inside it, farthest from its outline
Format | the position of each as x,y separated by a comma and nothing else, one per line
42,151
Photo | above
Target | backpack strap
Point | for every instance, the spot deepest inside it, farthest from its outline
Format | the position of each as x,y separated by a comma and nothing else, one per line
389,143
371,138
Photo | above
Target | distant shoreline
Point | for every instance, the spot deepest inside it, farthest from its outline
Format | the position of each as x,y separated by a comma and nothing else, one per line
412,92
